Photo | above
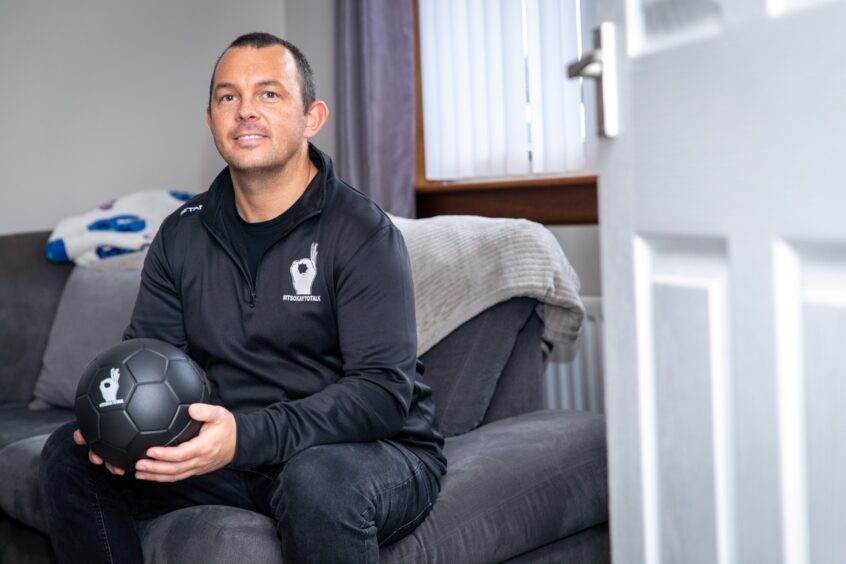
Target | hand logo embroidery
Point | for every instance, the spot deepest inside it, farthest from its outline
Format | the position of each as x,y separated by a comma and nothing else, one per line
303,272
109,388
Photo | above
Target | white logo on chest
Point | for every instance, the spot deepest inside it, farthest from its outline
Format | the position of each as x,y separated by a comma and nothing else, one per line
303,272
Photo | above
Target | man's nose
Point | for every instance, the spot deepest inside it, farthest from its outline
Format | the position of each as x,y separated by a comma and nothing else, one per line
246,111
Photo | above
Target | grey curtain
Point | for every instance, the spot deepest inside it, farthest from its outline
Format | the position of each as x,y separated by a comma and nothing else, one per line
375,116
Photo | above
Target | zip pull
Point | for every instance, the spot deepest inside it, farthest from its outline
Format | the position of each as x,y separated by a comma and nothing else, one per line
252,298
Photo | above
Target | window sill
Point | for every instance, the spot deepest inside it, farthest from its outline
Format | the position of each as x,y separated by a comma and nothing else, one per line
552,201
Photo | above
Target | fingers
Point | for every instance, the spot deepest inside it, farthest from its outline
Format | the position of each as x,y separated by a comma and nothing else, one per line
94,458
150,468
181,453
115,469
204,412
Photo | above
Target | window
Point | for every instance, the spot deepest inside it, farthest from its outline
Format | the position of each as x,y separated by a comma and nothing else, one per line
497,102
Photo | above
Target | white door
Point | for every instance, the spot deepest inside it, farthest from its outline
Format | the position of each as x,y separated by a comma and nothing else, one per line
723,231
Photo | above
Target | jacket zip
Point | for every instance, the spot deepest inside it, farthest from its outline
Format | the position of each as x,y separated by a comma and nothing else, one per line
240,265
237,262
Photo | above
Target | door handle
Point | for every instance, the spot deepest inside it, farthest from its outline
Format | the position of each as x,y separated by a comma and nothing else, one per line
601,65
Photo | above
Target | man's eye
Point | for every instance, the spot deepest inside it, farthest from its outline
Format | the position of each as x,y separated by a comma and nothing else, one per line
227,98
271,95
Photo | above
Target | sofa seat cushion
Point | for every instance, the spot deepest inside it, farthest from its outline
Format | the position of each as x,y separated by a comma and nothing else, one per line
512,486
17,422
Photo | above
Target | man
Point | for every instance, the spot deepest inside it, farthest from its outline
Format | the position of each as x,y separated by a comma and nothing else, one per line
294,292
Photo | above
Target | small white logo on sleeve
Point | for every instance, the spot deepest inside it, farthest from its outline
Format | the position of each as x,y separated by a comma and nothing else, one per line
191,209
109,388
303,272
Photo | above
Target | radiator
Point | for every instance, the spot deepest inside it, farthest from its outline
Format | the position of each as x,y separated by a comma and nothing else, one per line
578,384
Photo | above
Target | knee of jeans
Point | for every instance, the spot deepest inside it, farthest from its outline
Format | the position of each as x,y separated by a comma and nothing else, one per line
59,452
318,480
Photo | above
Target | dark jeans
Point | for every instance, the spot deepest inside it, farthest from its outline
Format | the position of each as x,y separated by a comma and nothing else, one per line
332,503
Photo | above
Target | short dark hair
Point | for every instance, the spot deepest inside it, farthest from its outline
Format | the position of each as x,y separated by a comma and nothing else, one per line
261,39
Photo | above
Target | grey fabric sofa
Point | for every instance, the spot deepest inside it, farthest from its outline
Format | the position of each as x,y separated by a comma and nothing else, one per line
523,484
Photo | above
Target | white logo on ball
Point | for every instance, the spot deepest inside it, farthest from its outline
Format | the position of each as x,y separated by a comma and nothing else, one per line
109,388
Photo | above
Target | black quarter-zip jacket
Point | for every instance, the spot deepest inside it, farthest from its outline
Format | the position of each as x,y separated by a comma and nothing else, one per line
320,348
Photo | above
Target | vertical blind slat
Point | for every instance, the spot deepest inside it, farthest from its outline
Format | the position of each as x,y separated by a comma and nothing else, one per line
461,89
479,89
494,86
514,73
568,27
429,88
544,116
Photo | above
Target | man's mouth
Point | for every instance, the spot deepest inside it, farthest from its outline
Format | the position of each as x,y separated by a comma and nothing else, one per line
248,140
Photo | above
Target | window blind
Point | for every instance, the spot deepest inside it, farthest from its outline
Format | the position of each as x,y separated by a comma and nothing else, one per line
496,98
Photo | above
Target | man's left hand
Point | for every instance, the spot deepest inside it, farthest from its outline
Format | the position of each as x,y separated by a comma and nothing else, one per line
212,448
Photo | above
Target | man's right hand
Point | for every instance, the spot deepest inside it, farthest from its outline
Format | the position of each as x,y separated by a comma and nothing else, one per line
94,458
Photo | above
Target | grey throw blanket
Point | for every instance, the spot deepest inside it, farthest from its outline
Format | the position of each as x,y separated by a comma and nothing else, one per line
462,265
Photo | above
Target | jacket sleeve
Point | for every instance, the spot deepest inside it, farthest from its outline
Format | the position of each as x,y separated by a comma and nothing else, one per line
378,343
158,308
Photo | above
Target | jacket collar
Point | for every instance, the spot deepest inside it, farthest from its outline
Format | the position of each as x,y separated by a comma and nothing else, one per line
311,202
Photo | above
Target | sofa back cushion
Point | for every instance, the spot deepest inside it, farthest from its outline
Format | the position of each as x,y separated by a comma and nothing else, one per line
520,388
95,308
30,288
464,368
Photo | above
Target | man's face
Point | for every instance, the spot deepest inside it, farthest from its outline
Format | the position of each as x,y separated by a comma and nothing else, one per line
256,114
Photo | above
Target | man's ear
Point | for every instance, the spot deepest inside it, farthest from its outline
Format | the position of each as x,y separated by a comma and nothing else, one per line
316,116
208,116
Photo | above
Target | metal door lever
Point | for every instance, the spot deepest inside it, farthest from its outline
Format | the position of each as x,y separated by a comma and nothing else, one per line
601,65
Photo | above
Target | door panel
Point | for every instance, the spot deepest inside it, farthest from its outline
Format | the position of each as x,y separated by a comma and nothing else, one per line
684,367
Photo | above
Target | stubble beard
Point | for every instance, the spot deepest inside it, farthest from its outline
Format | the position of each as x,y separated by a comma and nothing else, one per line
274,166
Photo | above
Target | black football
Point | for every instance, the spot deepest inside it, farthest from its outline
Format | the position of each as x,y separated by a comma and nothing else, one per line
135,395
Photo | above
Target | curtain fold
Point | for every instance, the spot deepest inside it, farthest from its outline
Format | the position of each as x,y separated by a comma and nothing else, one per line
375,90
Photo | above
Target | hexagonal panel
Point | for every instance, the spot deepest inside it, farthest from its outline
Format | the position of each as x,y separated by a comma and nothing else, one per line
183,428
180,420
165,349
87,418
138,448
147,366
116,429
120,352
110,387
187,381
85,377
152,406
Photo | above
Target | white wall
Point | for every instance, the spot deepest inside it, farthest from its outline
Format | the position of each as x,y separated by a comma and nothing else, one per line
101,98
581,245
311,27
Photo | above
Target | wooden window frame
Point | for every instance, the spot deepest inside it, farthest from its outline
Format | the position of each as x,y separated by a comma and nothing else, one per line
558,200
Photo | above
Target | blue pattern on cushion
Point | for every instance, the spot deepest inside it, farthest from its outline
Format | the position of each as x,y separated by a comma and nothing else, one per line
126,222
56,252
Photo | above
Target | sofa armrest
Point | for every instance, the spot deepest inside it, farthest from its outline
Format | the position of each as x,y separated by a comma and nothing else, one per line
30,289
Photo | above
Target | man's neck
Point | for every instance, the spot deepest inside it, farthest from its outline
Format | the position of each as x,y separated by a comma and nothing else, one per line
261,196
